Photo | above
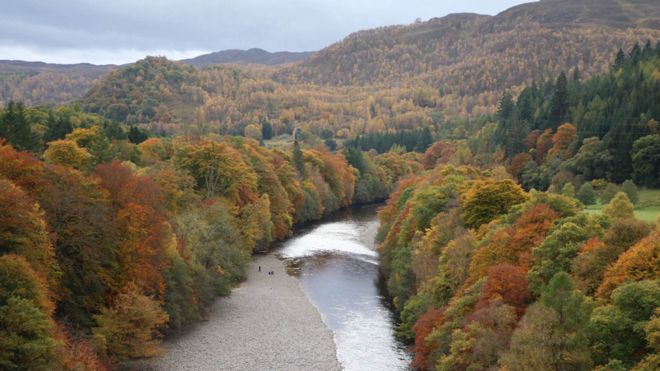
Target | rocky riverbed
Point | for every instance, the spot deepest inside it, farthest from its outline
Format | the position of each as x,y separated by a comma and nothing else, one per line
266,324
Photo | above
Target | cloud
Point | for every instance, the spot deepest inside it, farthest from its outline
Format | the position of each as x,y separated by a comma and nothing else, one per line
110,31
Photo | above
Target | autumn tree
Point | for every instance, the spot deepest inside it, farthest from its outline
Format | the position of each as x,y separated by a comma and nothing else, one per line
68,153
130,327
620,207
562,140
27,331
488,199
640,262
23,231
552,334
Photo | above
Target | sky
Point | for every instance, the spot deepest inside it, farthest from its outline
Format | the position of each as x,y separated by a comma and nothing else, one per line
123,31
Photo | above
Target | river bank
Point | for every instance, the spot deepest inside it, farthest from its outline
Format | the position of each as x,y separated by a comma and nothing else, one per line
266,323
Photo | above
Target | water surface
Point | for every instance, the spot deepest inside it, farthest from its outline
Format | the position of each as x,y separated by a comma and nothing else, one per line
337,265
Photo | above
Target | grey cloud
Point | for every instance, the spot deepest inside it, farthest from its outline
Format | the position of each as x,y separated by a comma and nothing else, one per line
182,25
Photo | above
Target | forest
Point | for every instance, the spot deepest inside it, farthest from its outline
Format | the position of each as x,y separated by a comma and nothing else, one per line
110,239
517,157
503,266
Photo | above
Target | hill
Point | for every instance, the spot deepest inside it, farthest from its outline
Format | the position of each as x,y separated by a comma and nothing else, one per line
250,56
38,83
470,54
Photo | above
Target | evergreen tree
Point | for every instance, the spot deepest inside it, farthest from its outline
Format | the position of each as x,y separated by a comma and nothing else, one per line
16,128
559,104
298,159
137,136
266,130
58,127
620,58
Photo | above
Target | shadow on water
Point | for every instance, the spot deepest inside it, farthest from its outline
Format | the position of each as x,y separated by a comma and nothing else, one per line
336,264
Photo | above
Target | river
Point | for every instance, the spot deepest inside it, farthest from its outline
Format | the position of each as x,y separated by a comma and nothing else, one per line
336,263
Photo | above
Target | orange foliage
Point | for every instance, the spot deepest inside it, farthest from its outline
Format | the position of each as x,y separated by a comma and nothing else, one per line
562,140
640,262
508,283
439,153
423,328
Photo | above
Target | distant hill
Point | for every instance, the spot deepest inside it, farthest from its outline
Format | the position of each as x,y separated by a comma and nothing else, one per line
250,56
38,83
470,54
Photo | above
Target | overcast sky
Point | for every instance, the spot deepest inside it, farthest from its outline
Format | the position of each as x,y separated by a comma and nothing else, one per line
122,31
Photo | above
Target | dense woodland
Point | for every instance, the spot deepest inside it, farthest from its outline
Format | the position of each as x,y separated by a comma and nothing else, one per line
510,238
488,276
107,244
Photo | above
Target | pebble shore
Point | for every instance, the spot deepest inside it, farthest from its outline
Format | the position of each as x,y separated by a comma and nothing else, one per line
266,324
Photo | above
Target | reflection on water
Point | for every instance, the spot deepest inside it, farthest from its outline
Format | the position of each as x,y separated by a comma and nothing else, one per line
337,266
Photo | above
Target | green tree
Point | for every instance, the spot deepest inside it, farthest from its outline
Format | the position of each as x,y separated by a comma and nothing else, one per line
27,333
552,334
16,127
646,160
586,194
631,191
136,135
559,103
616,331
608,193
568,190
298,159
266,130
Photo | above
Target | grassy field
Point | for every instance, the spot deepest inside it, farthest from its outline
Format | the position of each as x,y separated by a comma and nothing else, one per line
647,209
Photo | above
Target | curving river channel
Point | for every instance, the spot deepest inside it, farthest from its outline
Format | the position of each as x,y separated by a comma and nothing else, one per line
336,264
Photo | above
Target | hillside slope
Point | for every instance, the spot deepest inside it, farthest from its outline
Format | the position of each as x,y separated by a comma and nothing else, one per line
468,54
38,83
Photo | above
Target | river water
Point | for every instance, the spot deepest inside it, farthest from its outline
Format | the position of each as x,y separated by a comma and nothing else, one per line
336,263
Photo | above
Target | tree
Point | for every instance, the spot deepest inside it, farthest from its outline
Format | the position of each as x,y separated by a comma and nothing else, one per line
556,253
27,332
614,329
534,342
423,328
559,104
568,190
23,231
137,136
439,152
68,153
552,334
266,130
298,159
16,127
487,199
640,262
631,191
58,127
130,327
562,141
586,194
608,193
646,160
592,161
620,207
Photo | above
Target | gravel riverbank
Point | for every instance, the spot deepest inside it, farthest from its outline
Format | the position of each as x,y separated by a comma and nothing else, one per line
266,324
